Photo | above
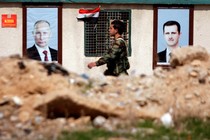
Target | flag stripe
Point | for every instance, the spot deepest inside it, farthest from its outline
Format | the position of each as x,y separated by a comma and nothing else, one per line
83,11
88,15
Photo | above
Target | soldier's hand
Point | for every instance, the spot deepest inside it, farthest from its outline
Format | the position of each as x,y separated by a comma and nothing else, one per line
92,64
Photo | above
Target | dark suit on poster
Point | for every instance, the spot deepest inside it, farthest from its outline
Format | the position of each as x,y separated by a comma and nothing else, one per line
162,56
34,54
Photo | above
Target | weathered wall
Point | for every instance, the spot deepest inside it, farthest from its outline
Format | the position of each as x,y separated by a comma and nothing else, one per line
201,26
73,36
11,38
142,44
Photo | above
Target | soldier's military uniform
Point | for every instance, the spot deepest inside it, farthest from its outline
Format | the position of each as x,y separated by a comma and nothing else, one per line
116,58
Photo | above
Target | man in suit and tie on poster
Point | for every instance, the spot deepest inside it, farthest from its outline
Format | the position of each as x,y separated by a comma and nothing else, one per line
41,50
171,32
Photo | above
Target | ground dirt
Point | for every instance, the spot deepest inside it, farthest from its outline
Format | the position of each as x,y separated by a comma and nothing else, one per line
39,100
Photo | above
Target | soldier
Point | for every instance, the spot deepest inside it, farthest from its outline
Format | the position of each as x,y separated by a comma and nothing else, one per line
116,56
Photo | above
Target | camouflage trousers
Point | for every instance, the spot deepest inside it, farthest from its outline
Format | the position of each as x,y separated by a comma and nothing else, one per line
109,73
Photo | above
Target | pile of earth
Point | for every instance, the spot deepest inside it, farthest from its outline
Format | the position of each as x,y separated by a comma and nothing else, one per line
39,100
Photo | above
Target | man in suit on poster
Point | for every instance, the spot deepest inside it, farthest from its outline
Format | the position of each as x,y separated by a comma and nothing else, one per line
171,32
41,50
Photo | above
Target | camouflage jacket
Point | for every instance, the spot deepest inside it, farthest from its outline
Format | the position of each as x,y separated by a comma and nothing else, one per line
116,58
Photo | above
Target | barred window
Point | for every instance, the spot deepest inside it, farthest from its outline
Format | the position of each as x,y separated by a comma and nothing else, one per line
97,39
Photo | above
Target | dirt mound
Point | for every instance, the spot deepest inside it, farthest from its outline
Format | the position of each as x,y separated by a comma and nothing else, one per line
35,97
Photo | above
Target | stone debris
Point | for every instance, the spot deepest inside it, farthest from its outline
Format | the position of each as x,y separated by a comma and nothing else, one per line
17,101
167,120
35,97
185,55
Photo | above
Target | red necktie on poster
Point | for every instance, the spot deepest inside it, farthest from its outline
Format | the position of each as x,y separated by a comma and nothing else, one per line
45,57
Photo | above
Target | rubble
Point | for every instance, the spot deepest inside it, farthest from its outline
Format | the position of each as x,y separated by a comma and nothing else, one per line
36,96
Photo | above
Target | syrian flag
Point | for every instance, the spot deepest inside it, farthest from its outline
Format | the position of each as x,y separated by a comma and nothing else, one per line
89,15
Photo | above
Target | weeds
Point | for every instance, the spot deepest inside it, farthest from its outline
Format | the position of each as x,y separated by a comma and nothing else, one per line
188,129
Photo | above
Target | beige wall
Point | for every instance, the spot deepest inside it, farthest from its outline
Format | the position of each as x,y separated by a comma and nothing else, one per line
11,38
142,44
201,26
142,40
73,36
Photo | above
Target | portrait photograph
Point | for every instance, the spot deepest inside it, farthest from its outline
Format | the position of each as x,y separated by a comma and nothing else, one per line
42,34
173,29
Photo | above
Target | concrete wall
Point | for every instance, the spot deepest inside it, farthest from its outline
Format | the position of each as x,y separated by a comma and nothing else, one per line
11,38
201,26
142,44
73,36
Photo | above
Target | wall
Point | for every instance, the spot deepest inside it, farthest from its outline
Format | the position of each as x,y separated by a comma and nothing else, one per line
142,44
11,38
201,26
73,36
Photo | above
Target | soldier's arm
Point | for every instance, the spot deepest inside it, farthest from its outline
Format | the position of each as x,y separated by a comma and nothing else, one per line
111,54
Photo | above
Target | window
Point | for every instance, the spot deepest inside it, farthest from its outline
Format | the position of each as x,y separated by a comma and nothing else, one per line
97,38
